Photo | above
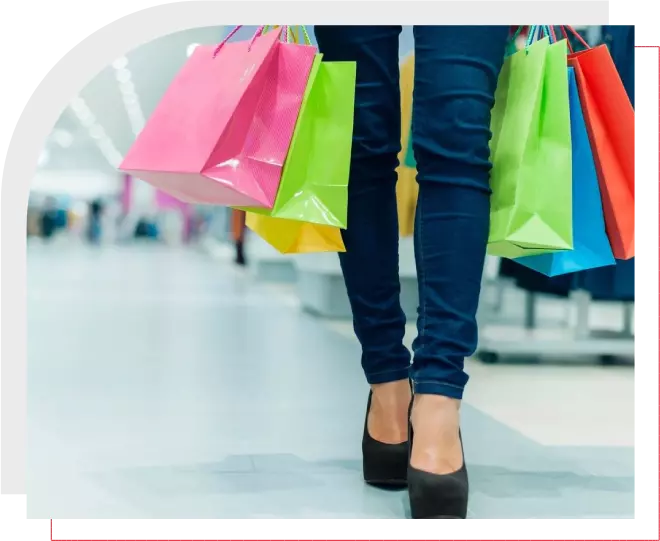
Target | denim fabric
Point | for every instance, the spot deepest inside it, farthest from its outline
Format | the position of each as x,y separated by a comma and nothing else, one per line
456,69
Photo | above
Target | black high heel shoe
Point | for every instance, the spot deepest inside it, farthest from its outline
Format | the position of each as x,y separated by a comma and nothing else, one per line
434,495
383,464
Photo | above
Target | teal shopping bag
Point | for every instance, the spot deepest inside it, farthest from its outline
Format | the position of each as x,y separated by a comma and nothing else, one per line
409,159
531,179
591,247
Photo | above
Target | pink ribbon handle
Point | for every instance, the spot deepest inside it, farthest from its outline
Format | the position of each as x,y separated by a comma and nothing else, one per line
229,36
258,33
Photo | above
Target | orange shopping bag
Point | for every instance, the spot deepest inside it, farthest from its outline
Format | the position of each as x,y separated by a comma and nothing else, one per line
610,120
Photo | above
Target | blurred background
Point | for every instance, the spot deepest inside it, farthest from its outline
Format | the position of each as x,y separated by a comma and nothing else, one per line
181,368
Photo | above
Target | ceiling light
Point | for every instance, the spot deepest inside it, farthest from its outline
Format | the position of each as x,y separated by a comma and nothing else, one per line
191,48
44,157
130,97
87,120
97,132
78,104
110,152
127,88
82,111
120,63
63,138
123,75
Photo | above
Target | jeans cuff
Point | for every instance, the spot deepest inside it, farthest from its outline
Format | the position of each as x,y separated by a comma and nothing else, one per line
389,376
443,389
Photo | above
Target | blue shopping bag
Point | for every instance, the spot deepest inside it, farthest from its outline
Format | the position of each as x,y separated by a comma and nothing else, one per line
591,247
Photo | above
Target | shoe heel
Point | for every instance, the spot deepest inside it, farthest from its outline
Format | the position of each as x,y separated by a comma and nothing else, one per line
435,496
383,464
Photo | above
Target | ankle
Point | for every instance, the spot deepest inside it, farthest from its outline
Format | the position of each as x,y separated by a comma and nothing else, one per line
436,445
388,415
392,390
435,410
436,402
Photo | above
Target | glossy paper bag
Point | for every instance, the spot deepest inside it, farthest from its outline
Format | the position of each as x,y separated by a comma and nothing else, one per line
531,209
314,185
222,130
295,237
610,121
591,247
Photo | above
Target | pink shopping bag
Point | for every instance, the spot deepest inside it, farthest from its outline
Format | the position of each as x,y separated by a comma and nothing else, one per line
222,130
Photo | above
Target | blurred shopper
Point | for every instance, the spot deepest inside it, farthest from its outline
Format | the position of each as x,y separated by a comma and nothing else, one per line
456,71
94,223
33,222
146,229
238,234
49,218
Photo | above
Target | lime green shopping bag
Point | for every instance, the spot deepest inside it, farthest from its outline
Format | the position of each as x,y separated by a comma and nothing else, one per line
314,184
531,206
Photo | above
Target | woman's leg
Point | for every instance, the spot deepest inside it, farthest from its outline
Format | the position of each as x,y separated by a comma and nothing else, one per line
456,71
371,262
238,233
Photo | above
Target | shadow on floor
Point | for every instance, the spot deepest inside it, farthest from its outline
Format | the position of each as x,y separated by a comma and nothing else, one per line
285,485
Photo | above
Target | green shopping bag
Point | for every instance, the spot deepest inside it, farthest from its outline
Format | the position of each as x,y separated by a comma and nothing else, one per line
531,206
314,184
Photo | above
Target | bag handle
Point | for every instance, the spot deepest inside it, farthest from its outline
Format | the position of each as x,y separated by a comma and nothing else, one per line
550,32
576,34
541,30
256,35
515,35
292,33
227,38
532,35
260,31
264,29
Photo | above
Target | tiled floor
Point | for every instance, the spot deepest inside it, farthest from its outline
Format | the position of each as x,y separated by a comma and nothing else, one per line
164,384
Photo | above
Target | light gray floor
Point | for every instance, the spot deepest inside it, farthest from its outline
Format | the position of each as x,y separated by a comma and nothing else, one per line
164,384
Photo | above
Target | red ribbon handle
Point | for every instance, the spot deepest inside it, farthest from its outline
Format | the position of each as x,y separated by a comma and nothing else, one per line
576,34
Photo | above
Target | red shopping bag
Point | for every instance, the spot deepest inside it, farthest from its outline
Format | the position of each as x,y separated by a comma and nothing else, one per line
222,130
610,120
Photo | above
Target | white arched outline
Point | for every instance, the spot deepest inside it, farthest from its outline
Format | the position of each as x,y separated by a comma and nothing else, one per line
99,49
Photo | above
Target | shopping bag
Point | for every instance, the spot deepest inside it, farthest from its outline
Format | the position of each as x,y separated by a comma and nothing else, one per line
591,247
295,237
222,130
531,210
406,186
410,160
314,185
610,119
407,83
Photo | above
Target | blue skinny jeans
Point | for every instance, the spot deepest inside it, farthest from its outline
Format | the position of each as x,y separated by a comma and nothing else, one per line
456,70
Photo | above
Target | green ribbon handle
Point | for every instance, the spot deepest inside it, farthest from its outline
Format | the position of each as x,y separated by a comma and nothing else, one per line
291,37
